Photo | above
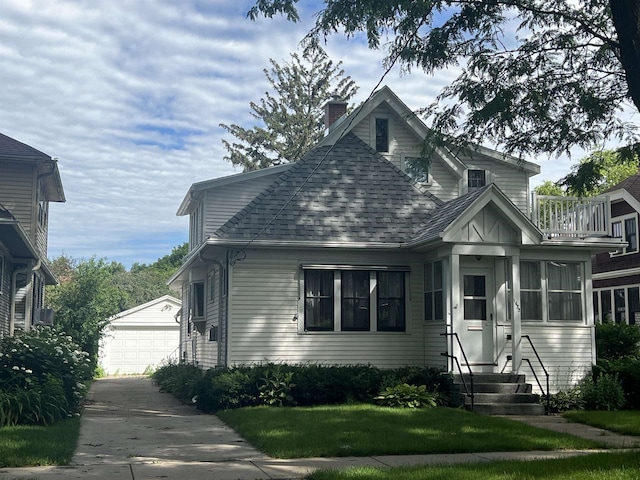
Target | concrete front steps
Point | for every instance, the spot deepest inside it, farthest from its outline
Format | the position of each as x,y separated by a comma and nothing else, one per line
499,394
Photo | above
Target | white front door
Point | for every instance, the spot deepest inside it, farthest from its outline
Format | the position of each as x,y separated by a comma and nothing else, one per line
475,326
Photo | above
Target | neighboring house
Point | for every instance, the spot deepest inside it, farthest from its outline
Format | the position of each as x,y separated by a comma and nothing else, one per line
29,180
616,274
343,258
142,337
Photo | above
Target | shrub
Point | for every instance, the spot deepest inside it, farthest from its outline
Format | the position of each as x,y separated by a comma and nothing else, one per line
180,379
275,388
221,389
566,400
407,396
603,393
617,340
41,377
627,370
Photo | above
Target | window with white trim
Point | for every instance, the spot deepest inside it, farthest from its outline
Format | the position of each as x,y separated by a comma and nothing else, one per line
352,299
211,282
476,179
433,292
626,228
551,291
197,300
382,135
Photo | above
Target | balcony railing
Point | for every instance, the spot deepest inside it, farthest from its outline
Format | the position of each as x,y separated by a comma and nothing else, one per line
571,216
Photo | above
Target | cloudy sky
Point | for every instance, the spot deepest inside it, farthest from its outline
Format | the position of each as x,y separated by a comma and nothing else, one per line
129,95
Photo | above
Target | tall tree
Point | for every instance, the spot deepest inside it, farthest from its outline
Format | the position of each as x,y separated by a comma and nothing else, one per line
291,118
598,172
537,75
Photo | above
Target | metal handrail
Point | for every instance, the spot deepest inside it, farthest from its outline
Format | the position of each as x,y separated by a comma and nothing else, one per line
464,355
547,394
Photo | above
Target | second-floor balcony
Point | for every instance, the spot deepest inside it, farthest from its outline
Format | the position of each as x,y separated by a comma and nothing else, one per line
559,217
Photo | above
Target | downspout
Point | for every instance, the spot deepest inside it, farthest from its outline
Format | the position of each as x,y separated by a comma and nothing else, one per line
12,309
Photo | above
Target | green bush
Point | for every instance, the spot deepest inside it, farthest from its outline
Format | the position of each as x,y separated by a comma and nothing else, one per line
614,341
283,384
566,400
407,396
605,392
627,370
42,375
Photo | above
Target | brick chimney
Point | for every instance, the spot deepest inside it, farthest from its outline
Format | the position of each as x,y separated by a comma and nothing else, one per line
334,109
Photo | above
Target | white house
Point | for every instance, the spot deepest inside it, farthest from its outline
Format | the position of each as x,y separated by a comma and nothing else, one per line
142,337
344,258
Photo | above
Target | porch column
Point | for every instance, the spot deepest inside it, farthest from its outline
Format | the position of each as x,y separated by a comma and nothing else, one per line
516,326
455,306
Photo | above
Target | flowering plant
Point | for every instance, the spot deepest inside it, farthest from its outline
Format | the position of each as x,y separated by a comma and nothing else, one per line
41,376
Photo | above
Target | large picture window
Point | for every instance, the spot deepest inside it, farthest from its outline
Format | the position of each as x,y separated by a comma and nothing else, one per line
350,299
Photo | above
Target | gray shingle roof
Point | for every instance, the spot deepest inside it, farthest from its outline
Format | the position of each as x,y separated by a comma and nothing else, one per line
446,213
345,193
630,184
10,147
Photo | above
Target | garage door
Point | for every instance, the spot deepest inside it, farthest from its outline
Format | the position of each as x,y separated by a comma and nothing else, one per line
135,349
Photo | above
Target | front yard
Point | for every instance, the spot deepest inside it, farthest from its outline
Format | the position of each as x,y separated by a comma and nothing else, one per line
364,430
626,422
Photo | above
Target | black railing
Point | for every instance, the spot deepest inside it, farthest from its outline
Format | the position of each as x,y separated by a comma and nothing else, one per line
469,393
548,393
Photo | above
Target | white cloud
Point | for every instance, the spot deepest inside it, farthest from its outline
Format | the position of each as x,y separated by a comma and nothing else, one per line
129,96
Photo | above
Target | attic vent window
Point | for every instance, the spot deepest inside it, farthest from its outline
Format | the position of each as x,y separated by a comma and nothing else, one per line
382,134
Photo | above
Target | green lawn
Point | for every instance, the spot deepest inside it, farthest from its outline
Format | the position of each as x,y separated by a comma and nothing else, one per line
363,430
25,446
604,466
624,421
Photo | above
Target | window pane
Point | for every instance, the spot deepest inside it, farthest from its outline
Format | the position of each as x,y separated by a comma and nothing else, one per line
631,235
531,305
382,135
475,309
634,305
355,300
476,178
618,299
198,299
563,276
428,306
605,297
565,306
530,276
474,286
428,277
438,305
318,313
437,275
596,307
391,301
616,229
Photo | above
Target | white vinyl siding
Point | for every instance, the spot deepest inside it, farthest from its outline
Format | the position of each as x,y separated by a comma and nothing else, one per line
264,322
17,194
565,350
222,203
444,183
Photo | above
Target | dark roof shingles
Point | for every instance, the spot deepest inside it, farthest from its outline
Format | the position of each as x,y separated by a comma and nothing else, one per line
345,193
10,147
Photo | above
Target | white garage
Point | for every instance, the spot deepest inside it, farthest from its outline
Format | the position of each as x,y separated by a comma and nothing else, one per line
141,338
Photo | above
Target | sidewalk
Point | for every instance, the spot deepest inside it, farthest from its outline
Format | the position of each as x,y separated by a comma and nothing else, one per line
130,431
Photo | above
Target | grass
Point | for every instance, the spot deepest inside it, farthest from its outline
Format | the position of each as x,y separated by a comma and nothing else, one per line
363,430
626,422
603,466
26,446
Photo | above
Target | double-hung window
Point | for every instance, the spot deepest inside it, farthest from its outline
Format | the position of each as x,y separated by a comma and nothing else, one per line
551,291
627,229
352,299
197,300
433,292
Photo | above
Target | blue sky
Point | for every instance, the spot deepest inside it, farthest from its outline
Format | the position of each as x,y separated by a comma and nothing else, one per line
129,96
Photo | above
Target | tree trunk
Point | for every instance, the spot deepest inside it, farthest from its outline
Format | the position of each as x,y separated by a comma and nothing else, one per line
626,20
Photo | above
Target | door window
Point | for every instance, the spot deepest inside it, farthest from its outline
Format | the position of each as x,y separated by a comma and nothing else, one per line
475,297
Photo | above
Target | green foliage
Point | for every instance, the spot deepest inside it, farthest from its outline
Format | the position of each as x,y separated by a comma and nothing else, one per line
242,386
41,377
292,118
549,188
534,76
605,392
275,388
407,396
617,340
566,400
599,171
627,370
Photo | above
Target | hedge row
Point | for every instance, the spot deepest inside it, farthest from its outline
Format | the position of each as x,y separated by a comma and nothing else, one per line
283,384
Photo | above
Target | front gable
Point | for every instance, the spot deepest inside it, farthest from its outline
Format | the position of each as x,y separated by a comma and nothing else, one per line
490,227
